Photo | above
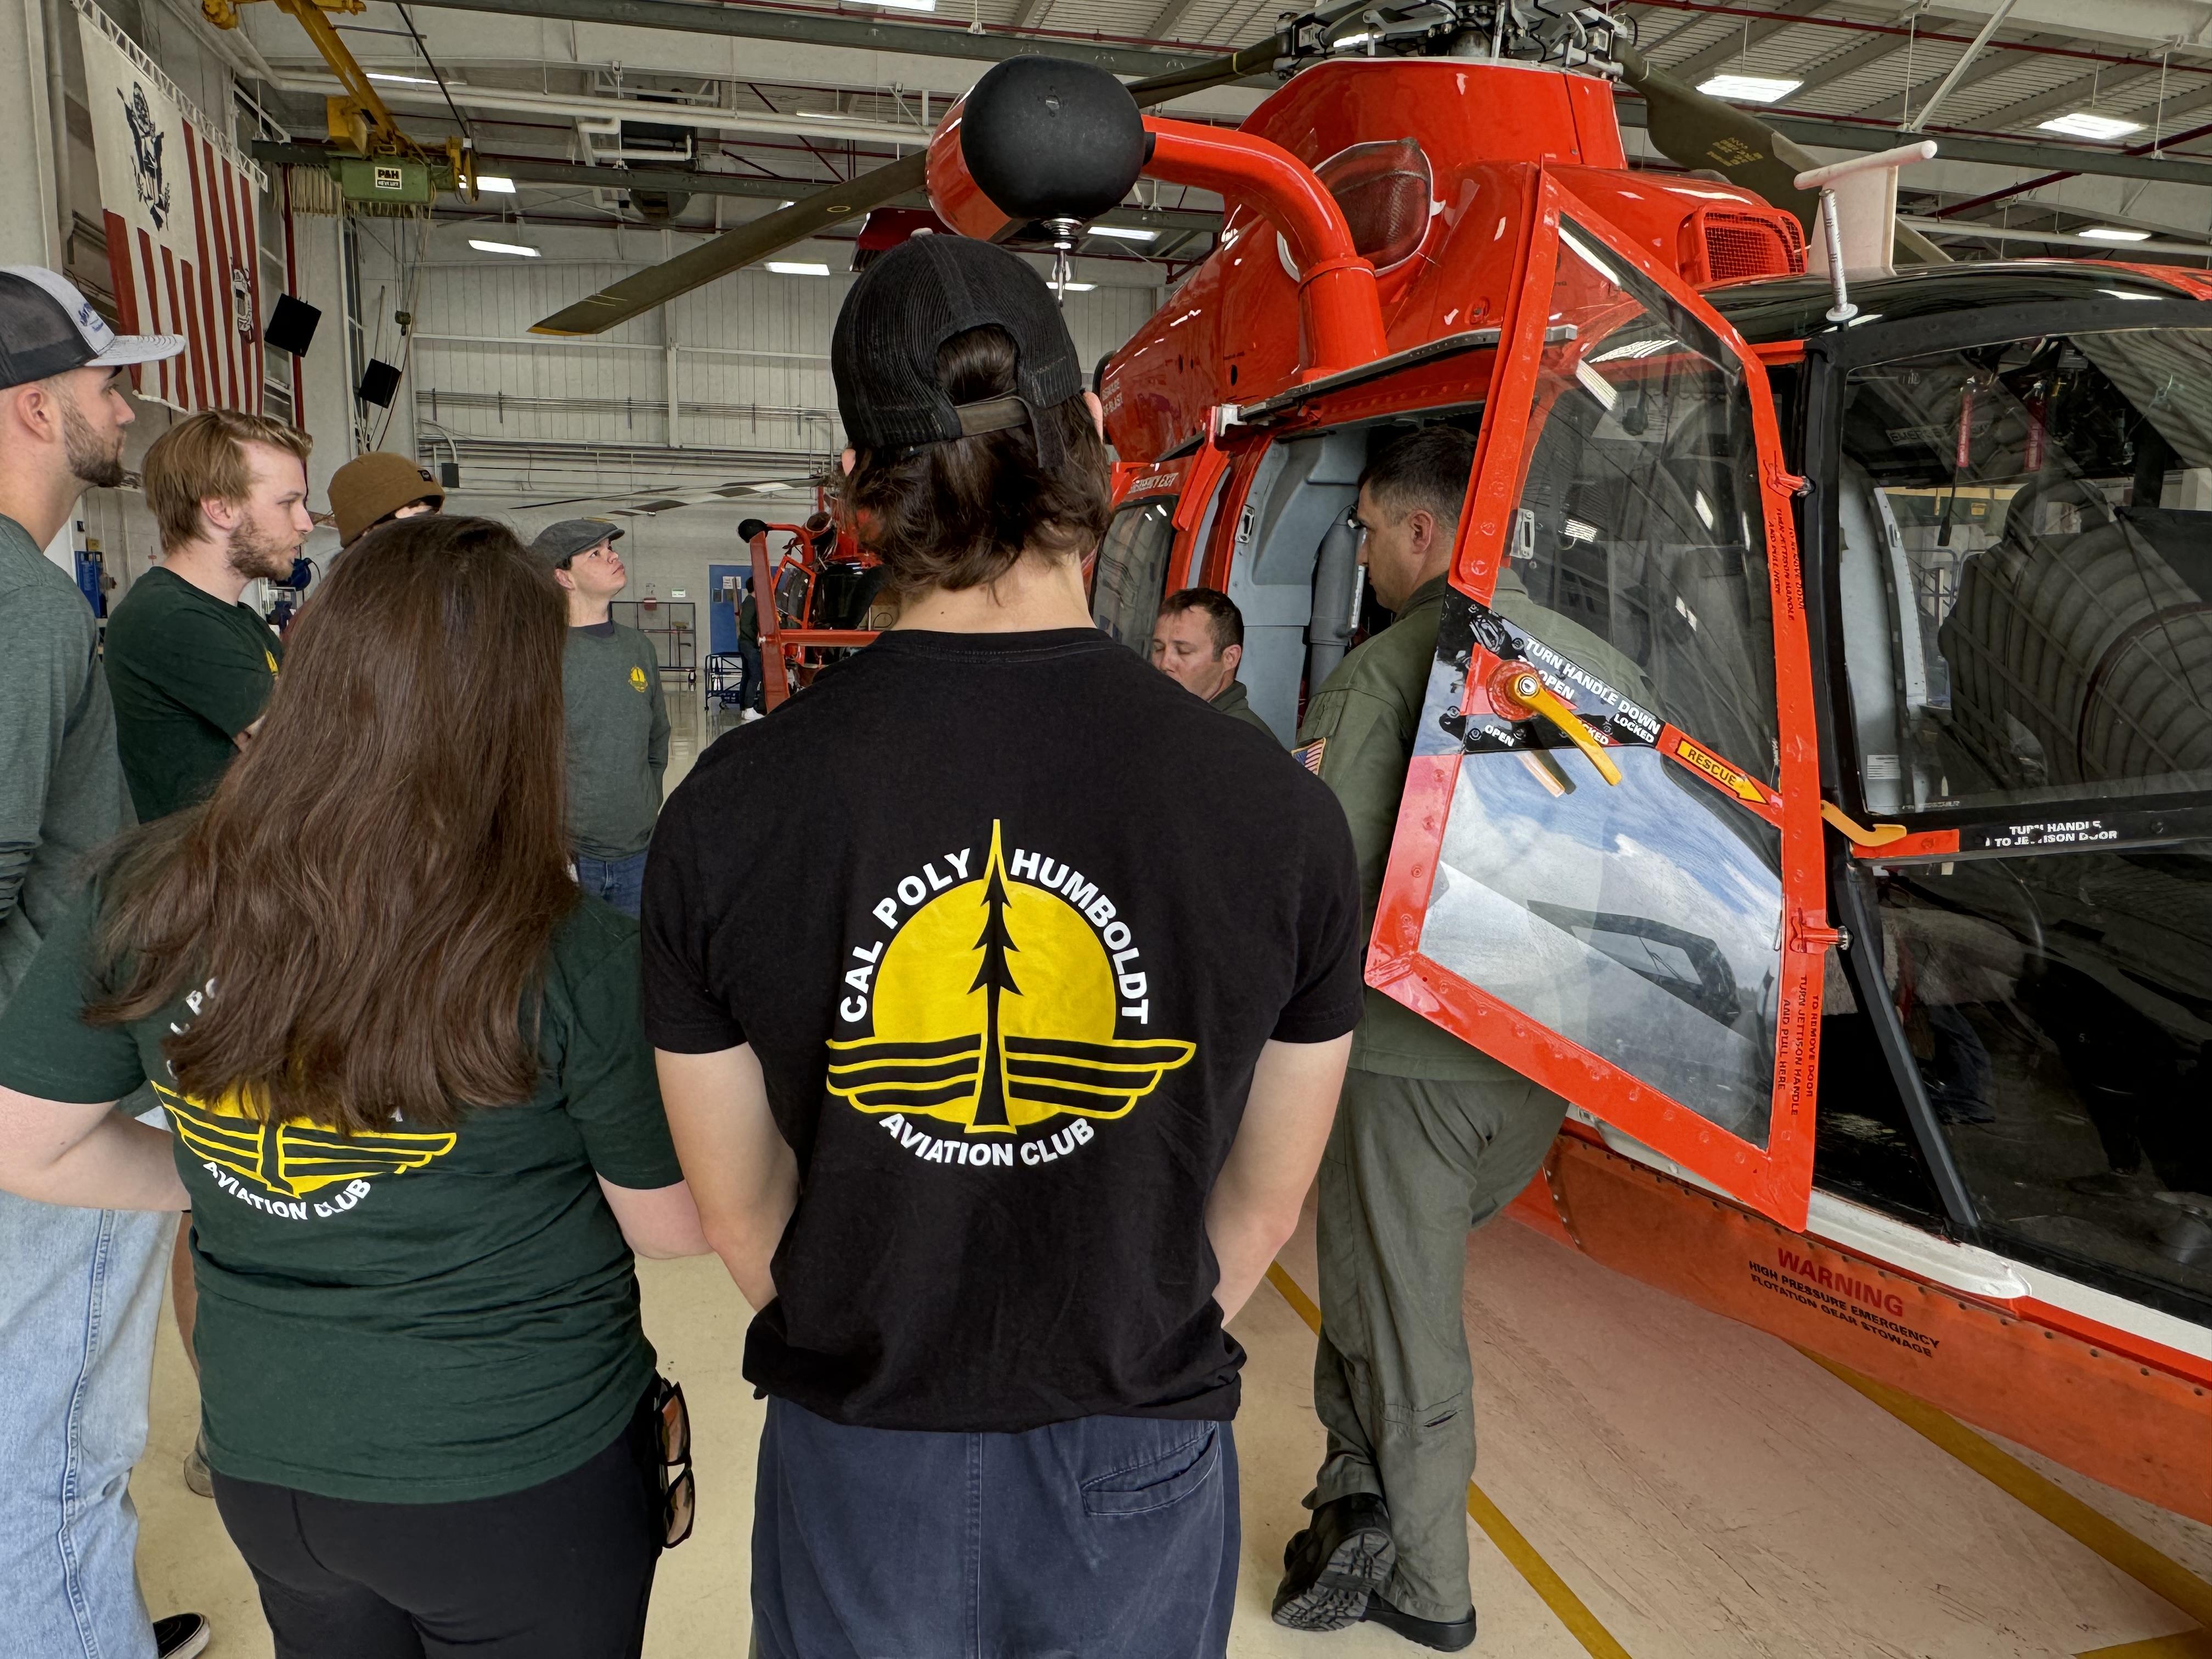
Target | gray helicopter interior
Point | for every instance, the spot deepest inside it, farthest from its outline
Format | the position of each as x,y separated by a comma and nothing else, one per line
2024,579
1294,572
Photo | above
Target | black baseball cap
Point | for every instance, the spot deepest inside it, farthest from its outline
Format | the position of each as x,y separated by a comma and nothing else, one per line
908,303
47,327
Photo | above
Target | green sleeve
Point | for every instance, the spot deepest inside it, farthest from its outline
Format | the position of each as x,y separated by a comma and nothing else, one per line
46,675
207,665
1364,764
607,1077
656,744
46,1048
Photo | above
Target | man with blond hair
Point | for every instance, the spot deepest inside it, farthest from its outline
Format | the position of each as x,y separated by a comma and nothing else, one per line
191,667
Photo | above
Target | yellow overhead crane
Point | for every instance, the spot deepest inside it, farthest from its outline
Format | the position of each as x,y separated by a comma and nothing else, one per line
383,167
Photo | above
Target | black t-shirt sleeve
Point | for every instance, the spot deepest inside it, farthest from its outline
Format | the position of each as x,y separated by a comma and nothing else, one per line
1328,995
686,1010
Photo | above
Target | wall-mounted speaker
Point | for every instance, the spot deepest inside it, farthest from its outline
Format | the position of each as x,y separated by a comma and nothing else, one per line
449,474
379,383
292,325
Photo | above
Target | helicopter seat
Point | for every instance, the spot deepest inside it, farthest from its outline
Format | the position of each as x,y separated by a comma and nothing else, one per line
2080,658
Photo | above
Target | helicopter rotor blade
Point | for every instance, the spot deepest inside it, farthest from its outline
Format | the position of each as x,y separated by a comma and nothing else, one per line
647,290
1698,131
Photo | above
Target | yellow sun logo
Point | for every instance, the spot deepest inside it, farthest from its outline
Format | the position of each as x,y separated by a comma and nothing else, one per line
995,1009
636,679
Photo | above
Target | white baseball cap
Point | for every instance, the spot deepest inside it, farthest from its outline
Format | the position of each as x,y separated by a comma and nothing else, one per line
47,327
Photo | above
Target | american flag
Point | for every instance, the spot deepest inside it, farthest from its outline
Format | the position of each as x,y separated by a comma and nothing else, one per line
180,205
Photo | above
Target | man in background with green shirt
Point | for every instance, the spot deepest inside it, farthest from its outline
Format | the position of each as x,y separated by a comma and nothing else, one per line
1432,1138
617,720
191,667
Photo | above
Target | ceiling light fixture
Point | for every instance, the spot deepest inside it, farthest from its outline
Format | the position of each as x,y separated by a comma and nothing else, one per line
1344,40
1748,88
2115,233
403,80
903,5
1074,288
1126,233
493,183
2082,124
515,248
797,268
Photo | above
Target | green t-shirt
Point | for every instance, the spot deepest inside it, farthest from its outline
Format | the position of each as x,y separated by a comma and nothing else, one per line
188,673
405,1317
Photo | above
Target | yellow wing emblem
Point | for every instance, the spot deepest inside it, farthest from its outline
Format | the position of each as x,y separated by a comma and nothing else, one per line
636,679
293,1159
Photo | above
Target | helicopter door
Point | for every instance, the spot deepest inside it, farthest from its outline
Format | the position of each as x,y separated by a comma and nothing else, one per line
1607,867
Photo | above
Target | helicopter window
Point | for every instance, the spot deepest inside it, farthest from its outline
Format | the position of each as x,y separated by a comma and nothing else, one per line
2059,1011
1383,190
2026,571
1132,572
1639,548
1642,922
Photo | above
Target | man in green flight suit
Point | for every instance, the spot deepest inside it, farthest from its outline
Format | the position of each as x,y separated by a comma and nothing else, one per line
1431,1138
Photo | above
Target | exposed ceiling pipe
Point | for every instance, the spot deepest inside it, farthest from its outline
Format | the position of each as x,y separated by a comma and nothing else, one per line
2110,250
528,171
1919,123
705,117
1867,137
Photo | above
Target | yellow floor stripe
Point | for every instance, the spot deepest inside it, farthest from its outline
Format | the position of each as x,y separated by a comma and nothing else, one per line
2094,1530
1566,1606
2190,1644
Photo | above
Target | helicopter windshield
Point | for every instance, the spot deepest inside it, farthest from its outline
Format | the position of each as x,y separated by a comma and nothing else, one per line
2032,522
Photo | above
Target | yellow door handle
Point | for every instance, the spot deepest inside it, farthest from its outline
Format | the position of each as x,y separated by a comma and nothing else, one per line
1522,690
1856,833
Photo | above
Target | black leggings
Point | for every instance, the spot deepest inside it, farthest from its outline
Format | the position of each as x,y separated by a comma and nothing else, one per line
559,1571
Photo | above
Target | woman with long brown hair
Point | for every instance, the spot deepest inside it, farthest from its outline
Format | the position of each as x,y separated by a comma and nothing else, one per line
414,1116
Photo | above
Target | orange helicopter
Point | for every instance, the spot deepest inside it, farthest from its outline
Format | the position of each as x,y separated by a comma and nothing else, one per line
1814,781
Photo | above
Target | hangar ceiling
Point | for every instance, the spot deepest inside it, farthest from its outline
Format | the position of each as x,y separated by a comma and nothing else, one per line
741,107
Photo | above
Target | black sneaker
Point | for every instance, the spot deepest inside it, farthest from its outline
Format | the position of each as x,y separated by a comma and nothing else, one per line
1444,1636
181,1635
1333,1566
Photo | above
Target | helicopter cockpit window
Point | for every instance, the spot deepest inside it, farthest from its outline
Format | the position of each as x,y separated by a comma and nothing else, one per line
1639,547
2026,571
1132,572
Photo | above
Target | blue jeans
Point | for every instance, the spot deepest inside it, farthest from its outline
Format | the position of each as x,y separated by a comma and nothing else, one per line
620,882
1108,1537
80,1298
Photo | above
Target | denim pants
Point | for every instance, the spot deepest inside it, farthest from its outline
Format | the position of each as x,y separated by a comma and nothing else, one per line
1104,1537
80,1299
620,882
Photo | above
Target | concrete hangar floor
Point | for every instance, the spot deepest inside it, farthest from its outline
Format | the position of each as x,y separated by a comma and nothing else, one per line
1655,1482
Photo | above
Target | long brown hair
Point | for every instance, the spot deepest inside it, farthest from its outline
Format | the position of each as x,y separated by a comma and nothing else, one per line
368,894
958,514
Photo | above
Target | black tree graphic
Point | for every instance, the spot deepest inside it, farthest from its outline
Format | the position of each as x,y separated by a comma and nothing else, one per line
995,977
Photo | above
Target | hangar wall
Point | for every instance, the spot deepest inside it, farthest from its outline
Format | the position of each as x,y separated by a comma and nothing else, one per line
545,428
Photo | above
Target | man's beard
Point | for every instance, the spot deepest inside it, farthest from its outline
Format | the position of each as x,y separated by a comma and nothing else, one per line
88,463
252,553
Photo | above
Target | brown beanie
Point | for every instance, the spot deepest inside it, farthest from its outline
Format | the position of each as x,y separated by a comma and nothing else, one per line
369,487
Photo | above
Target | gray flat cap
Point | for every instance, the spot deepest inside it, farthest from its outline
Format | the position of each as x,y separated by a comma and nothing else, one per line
557,544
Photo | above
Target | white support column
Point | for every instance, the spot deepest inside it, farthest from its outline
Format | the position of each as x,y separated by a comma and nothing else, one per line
326,392
30,220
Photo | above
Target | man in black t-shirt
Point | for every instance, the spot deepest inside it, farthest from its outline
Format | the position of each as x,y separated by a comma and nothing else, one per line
999,1059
